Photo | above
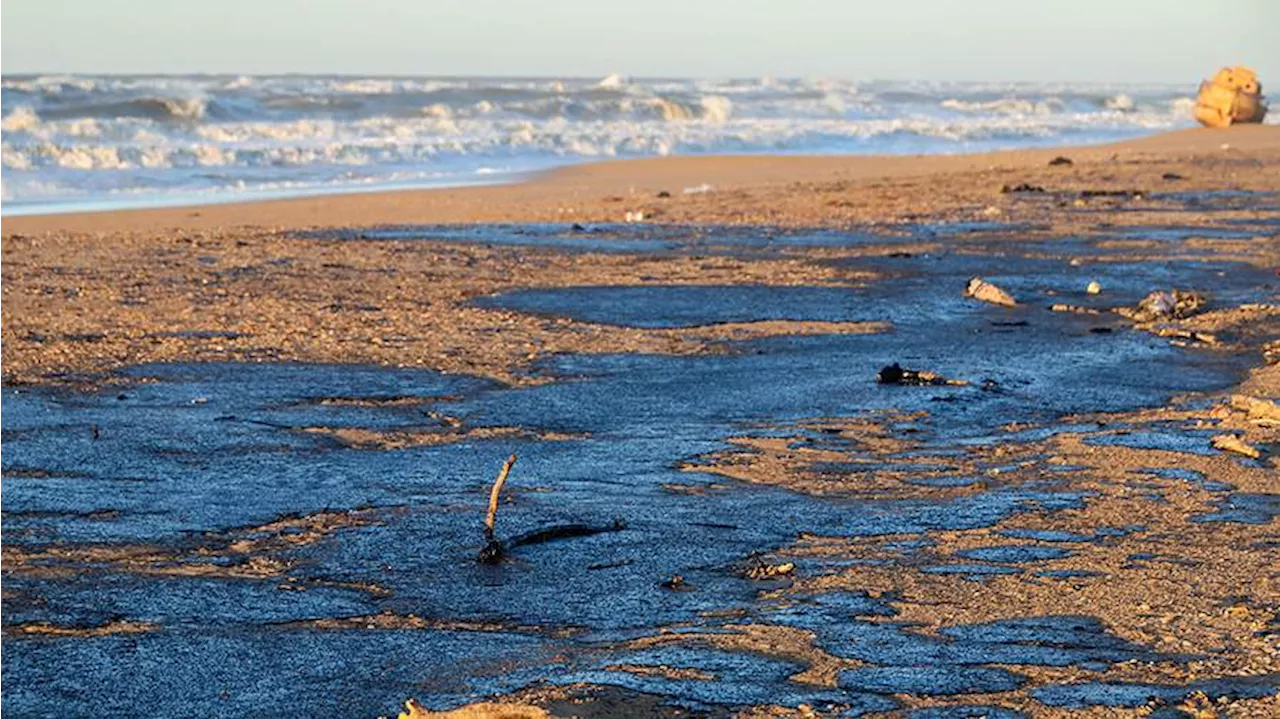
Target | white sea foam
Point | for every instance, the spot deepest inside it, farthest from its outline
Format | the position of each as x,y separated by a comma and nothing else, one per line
1121,103
70,137
22,119
1006,106
14,159
716,108
613,81
238,83
186,108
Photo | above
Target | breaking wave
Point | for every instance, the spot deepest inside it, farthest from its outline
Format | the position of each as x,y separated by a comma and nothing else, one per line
153,108
91,139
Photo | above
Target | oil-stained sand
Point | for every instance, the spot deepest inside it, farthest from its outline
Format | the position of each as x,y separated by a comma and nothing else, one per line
225,494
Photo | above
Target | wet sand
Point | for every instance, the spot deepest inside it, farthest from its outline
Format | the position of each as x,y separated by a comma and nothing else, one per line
797,191
1064,533
86,293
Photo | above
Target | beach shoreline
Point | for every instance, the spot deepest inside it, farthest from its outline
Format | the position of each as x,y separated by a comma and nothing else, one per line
605,191
283,281
85,142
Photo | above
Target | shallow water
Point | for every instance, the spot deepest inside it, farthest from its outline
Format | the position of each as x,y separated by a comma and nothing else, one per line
189,455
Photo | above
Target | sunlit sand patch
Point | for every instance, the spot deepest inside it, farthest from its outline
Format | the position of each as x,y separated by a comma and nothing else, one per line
481,710
663,671
870,456
391,621
329,300
742,331
769,640
1135,555
359,438
47,629
258,552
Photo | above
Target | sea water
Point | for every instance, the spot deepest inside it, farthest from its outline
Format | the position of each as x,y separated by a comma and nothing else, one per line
86,142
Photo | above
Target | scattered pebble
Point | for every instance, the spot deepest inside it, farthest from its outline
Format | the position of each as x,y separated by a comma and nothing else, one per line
698,189
1262,411
1271,352
1183,338
634,216
769,571
1077,309
1094,288
1232,443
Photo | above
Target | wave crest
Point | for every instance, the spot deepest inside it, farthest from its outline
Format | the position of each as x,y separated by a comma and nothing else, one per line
1120,103
22,119
1004,106
96,135
613,81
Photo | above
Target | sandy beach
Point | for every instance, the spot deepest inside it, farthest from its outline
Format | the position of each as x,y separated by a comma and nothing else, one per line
125,276
759,189
1068,557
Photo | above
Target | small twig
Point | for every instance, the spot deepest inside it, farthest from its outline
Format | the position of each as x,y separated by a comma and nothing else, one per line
492,551
492,516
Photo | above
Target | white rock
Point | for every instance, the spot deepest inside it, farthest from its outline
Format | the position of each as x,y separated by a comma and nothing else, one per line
980,289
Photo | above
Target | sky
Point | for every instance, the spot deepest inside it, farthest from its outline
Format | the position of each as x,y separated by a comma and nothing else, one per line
1051,40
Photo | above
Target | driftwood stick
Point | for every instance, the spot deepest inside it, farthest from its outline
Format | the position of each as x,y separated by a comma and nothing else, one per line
494,548
492,515
563,531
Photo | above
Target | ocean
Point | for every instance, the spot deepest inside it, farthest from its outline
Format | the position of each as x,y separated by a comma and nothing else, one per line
102,142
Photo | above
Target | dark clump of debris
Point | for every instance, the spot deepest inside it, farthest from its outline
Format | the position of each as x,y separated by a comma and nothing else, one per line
1060,160
759,570
1271,352
675,583
1020,187
1119,194
1164,305
897,375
